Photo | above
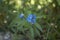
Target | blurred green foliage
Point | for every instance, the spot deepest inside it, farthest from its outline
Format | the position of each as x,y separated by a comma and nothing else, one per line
47,21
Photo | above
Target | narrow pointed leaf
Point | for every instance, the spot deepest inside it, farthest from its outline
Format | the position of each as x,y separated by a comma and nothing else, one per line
32,33
38,27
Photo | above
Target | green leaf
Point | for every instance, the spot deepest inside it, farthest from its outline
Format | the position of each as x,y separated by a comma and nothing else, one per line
38,27
31,33
37,31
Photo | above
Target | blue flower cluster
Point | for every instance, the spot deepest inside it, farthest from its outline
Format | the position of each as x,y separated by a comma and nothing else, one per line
31,18
21,15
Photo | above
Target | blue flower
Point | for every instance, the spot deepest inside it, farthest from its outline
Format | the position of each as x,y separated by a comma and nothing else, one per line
31,18
21,15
